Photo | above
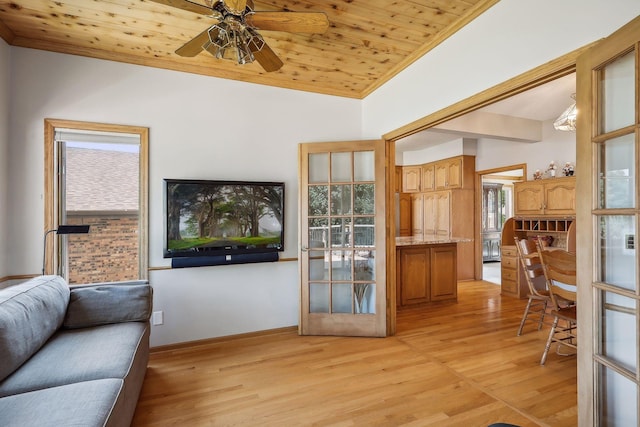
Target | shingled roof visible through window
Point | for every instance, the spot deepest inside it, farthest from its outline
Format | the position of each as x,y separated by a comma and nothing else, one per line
101,180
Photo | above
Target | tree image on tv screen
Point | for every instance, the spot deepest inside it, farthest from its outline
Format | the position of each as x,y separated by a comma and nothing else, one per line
203,216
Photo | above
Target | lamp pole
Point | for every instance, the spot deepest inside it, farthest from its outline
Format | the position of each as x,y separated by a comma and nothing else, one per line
62,229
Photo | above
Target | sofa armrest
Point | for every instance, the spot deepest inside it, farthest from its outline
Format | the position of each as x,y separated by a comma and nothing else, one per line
101,304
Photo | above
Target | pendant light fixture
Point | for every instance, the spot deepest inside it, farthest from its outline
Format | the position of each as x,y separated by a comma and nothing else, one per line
567,120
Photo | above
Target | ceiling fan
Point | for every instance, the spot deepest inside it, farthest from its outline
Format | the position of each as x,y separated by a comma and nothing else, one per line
235,34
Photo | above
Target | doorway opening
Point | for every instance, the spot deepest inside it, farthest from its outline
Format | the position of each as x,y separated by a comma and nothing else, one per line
495,189
534,78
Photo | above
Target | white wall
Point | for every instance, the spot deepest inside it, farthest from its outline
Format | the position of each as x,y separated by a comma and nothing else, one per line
457,147
559,146
507,40
200,127
4,153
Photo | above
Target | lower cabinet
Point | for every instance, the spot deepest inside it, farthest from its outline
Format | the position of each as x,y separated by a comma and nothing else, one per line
509,270
426,273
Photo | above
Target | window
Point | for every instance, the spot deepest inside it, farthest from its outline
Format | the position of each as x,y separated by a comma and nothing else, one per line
96,175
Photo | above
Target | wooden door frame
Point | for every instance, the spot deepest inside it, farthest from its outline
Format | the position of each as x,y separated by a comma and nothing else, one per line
540,75
478,203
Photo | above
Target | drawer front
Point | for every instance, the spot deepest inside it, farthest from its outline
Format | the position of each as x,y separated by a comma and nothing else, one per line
509,274
509,251
509,286
509,262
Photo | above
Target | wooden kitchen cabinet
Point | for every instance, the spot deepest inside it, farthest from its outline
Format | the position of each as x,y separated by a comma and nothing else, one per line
443,277
411,176
428,177
426,273
417,216
405,223
414,271
448,174
555,196
437,213
448,212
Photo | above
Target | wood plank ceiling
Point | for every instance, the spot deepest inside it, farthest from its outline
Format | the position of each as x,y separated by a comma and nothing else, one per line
367,43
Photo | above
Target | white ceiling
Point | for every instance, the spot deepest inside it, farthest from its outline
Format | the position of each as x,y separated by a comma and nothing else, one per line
541,103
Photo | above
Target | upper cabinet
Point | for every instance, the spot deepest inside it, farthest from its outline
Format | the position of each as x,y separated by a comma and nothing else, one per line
555,196
447,174
428,172
411,176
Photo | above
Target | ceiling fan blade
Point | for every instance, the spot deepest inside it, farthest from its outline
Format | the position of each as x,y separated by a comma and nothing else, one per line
186,5
293,22
266,57
235,6
194,46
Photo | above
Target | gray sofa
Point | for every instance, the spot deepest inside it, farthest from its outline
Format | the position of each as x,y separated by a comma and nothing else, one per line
72,356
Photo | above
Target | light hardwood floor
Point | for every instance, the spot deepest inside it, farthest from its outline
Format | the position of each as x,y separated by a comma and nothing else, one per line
451,364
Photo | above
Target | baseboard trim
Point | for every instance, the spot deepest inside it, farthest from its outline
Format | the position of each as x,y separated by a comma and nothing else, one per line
190,345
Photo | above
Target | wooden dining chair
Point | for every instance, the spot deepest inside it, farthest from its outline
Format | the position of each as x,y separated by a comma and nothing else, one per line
539,298
559,268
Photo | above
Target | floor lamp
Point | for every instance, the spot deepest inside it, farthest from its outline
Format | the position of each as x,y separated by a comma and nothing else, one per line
62,229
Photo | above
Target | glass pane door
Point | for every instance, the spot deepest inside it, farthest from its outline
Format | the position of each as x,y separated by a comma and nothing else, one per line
342,239
609,291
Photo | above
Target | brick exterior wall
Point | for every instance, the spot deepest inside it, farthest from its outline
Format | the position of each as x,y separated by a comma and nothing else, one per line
109,253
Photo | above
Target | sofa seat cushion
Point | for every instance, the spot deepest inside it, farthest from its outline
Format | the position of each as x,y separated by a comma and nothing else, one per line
74,355
30,313
84,404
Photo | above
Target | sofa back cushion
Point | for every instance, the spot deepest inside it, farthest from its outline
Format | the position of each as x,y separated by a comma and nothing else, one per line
29,314
101,304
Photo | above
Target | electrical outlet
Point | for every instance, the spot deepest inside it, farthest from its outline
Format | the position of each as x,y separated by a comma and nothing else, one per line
158,318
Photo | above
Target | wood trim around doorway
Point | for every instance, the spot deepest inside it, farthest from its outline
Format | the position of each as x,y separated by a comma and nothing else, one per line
540,75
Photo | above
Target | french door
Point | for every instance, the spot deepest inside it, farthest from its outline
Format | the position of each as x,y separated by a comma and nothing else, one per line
342,238
608,217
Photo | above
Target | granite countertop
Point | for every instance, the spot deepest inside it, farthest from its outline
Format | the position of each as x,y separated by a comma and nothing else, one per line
428,239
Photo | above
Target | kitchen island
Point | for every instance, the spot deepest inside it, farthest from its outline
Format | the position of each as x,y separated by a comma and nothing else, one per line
426,269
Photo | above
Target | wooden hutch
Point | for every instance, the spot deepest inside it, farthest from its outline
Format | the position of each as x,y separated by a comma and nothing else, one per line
542,208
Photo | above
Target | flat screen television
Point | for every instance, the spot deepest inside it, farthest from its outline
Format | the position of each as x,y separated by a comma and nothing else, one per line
205,218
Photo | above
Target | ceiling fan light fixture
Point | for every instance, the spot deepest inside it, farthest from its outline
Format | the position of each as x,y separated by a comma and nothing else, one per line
567,120
256,42
231,40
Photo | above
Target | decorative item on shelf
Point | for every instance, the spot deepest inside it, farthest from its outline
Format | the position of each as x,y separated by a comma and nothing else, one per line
567,120
551,170
568,169
537,175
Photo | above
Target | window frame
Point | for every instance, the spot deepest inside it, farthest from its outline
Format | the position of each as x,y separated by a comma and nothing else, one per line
52,250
